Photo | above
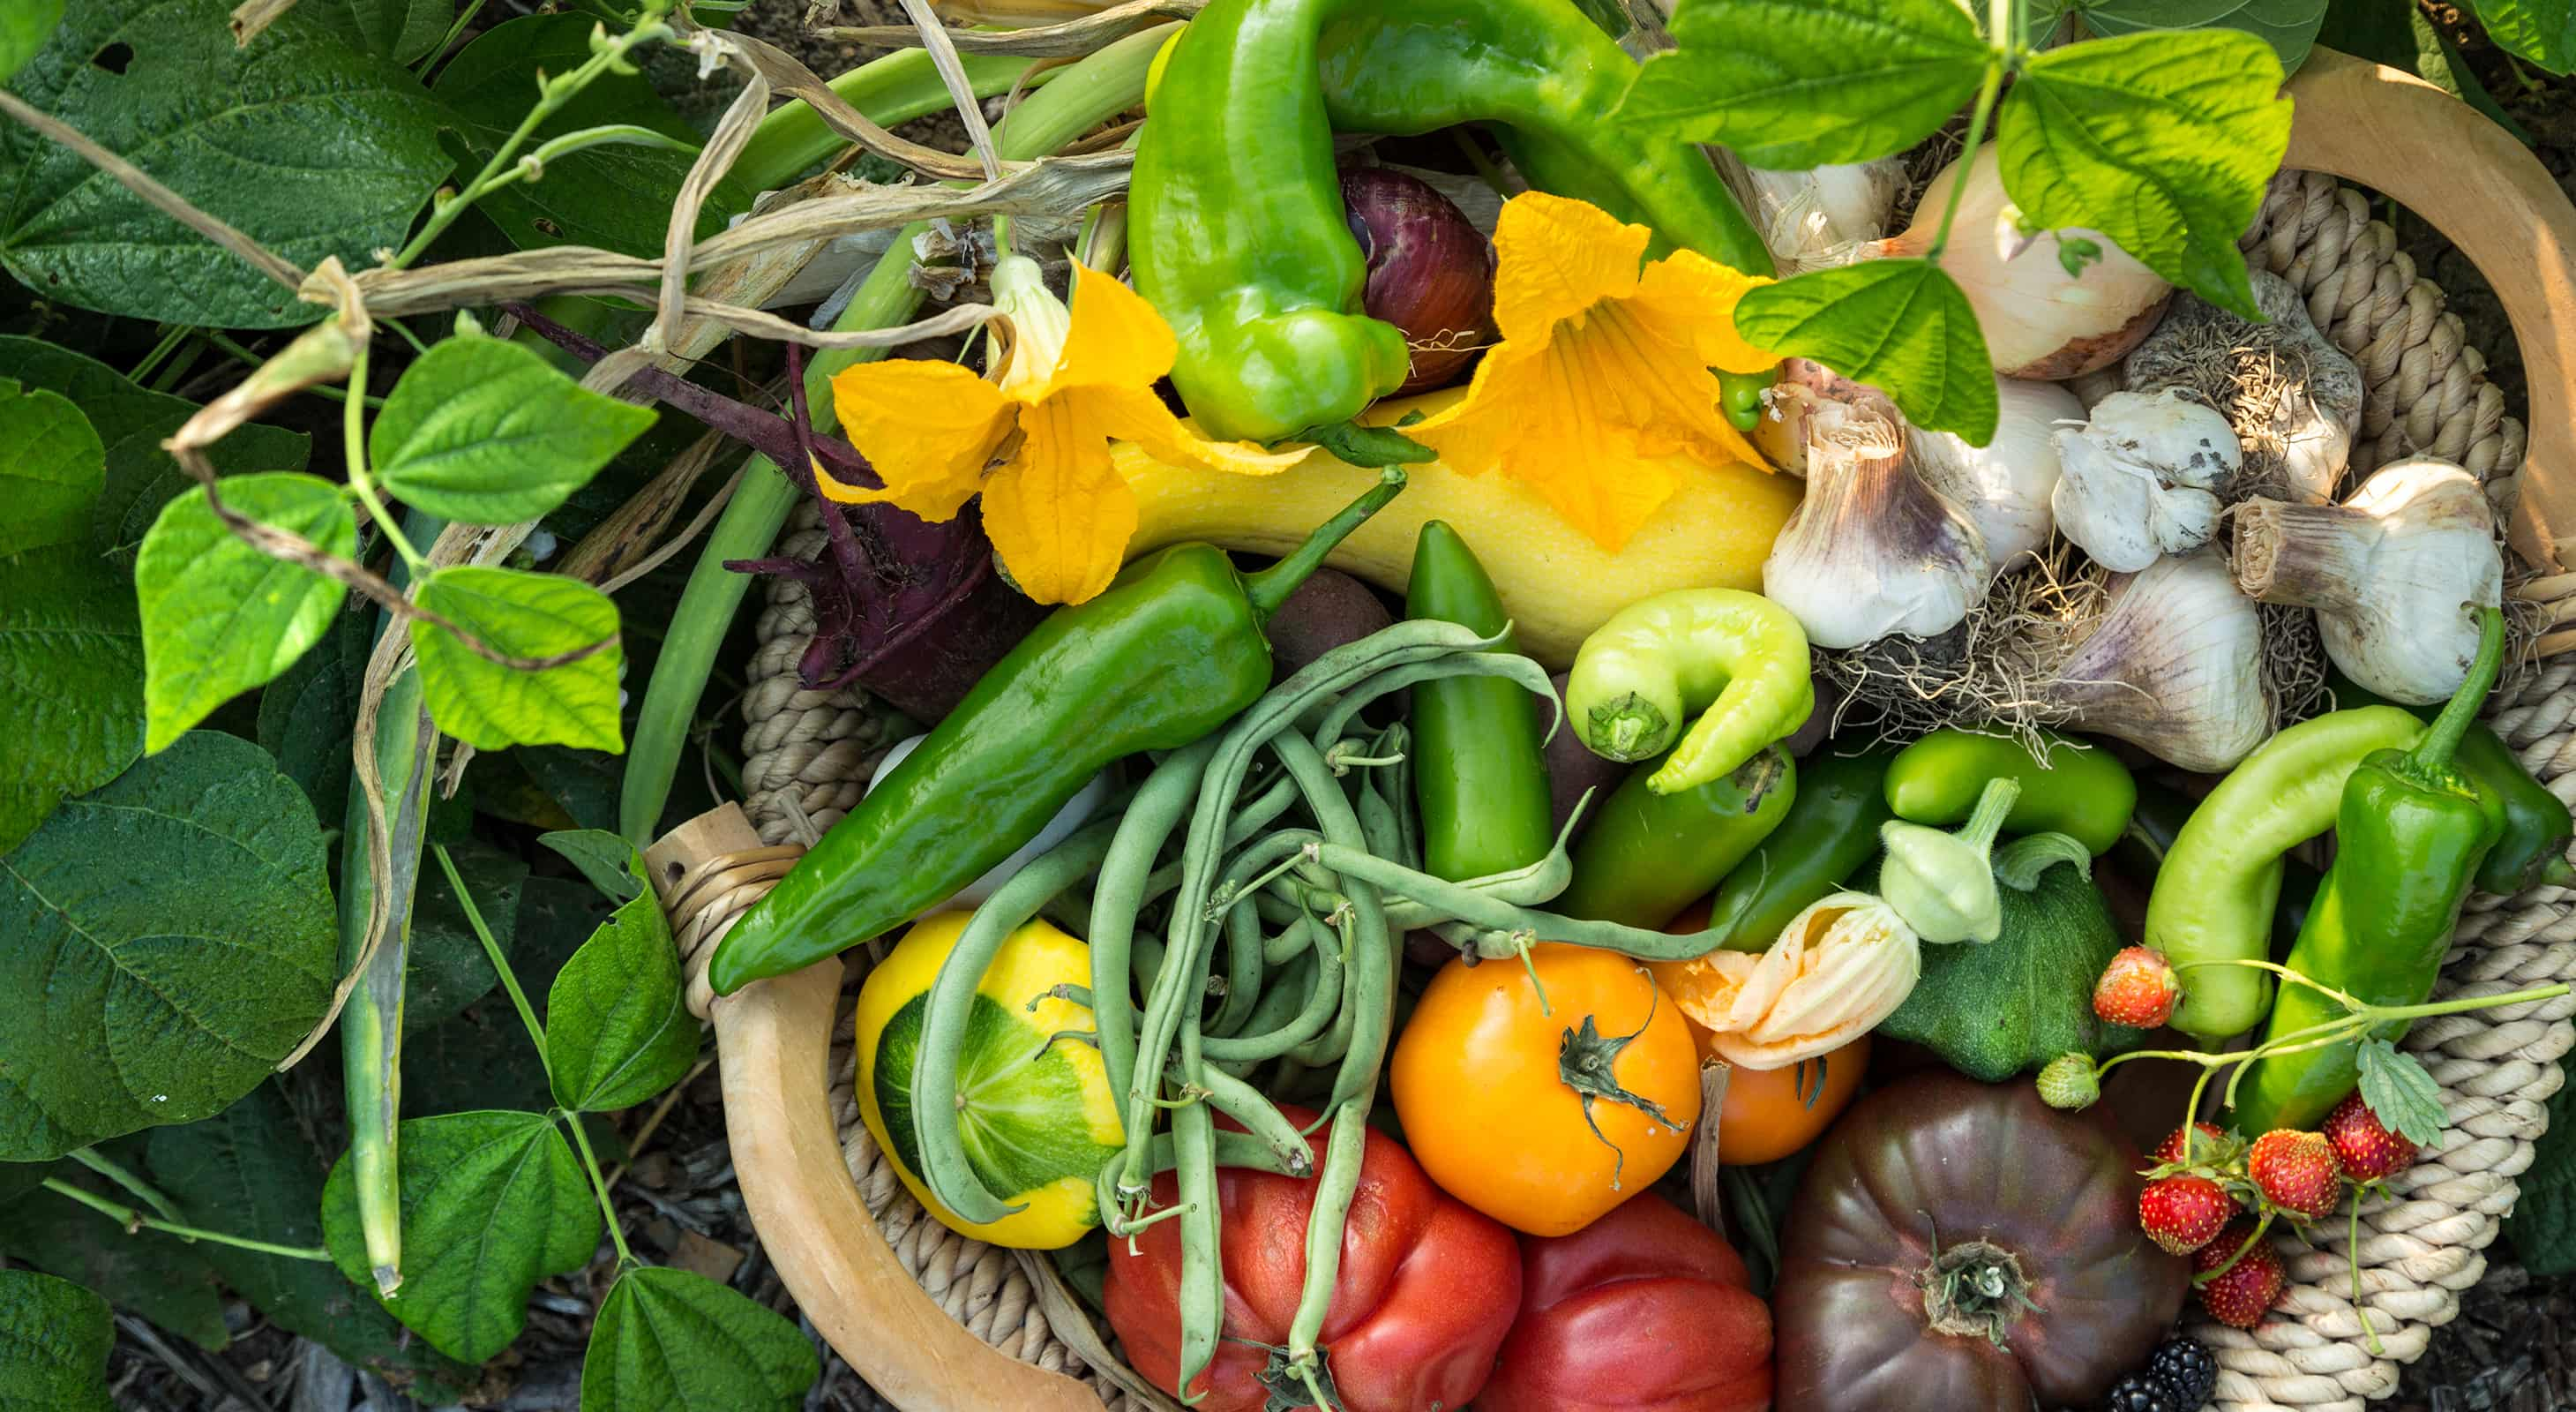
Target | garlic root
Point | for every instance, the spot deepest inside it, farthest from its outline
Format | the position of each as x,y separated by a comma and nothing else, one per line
2173,666
2293,398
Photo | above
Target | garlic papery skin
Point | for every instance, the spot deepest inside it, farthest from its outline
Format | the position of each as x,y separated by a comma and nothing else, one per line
1817,219
2293,397
2141,479
2397,574
1872,550
2039,321
2004,486
2174,666
1781,432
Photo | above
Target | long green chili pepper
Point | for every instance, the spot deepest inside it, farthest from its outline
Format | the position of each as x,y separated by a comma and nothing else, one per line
1831,830
2409,836
2537,824
2158,820
1650,855
1482,781
1737,659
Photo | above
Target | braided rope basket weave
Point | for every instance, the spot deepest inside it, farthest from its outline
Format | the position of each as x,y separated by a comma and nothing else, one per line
941,1323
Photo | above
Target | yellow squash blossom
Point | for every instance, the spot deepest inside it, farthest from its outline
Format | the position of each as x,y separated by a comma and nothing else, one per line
1839,968
1035,441
1603,369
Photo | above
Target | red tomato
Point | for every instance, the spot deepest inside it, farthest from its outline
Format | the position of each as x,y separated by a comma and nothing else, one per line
1425,1295
1644,1310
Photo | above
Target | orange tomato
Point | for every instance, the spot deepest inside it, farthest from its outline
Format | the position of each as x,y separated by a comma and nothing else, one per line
1767,1114
1493,1110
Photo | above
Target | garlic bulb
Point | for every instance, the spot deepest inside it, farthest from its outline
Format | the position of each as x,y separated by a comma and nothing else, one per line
2140,479
1872,550
1782,431
2396,574
2039,321
1813,220
2173,666
2005,485
2293,397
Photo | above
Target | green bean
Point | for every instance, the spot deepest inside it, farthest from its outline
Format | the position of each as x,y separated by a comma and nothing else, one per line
1244,968
1149,821
1333,1043
1202,1297
944,1164
1371,966
1233,1149
1258,1115
1527,673
1291,942
1322,992
1492,917
1333,1193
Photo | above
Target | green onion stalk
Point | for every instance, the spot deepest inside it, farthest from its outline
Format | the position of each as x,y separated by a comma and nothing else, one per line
1078,99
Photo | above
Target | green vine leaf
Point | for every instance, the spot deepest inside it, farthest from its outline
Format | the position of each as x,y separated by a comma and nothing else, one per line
220,617
672,1341
303,144
492,1202
2289,26
306,716
400,30
2543,31
486,432
25,25
1791,84
132,996
71,685
617,1028
489,705
2162,141
1902,325
54,1341
603,856
54,471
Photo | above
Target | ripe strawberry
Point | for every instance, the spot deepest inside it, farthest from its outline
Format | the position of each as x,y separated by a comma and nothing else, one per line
2363,1146
2296,1172
2184,1213
2245,1293
2137,989
2202,1150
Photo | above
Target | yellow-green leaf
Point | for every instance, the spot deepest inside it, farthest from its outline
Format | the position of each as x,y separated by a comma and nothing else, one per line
1901,325
530,617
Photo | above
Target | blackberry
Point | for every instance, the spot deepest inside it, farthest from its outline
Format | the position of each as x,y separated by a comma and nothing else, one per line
2137,1393
2189,1374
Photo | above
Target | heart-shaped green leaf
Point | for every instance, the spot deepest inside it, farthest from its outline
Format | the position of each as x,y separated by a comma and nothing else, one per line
71,684
2162,141
400,30
1901,325
492,1202
54,1341
164,941
2289,26
51,473
617,1030
605,858
487,432
532,617
2543,31
1801,83
220,617
671,1341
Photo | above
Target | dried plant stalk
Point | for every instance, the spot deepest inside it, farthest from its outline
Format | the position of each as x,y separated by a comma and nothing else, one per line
1049,38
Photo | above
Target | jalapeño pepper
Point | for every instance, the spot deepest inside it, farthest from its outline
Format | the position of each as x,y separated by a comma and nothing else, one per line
2409,836
1162,657
1480,774
2537,825
1830,832
1651,854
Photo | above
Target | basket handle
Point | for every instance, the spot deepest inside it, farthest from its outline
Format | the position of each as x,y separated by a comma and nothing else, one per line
2487,194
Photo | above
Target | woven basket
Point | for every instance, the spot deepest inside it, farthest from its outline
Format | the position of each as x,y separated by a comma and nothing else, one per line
940,1323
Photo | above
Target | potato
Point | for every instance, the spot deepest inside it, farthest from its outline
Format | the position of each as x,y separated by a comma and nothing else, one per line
1329,609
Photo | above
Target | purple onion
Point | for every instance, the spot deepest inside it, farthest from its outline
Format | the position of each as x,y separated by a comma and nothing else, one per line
1430,271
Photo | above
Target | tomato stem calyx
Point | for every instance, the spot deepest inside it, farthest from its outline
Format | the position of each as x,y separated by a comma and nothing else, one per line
1586,1060
1974,1288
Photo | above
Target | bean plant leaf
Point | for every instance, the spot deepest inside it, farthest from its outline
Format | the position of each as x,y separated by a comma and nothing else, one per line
142,1272
252,1171
220,617
2543,31
131,422
674,1341
71,685
51,473
448,967
400,30
306,716
1792,84
2542,1223
617,197
492,1202
617,1030
491,705
164,941
2289,26
303,144
1902,325
2162,141
2435,56
25,25
2401,1093
604,857
54,1341
486,432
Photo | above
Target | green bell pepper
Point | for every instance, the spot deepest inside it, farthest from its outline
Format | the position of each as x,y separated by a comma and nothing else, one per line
2537,824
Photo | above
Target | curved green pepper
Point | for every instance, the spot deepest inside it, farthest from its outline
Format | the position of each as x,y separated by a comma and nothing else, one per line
1651,854
2537,825
1165,655
1829,834
2410,832
1480,774
2157,822
1737,658
2079,790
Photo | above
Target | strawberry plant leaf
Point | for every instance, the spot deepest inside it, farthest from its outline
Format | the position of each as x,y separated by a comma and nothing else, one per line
492,1202
220,617
131,422
251,1171
133,996
490,705
71,685
673,1341
1902,325
617,1028
2162,141
54,471
487,432
303,144
2401,1093
1791,84
2543,31
54,1341
605,858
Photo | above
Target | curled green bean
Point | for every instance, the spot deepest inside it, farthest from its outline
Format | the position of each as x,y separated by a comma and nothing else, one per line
1371,965
1258,1115
1322,989
1149,820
